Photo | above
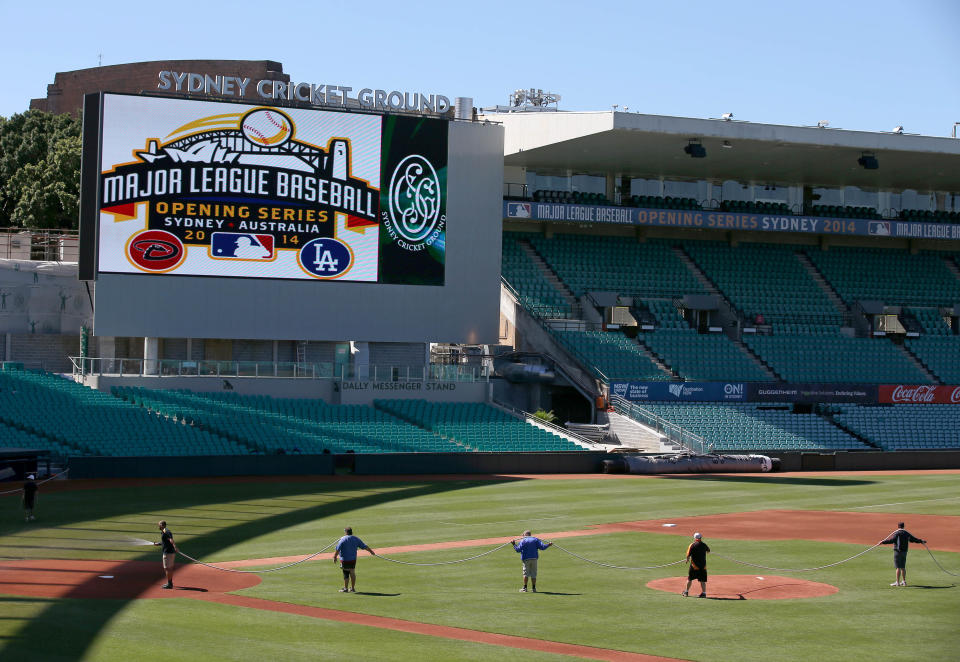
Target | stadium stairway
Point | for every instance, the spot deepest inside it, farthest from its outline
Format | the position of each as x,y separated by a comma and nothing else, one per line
634,435
822,282
921,366
726,313
656,359
550,276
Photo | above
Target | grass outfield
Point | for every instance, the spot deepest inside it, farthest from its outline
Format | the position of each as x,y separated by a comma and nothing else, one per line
579,603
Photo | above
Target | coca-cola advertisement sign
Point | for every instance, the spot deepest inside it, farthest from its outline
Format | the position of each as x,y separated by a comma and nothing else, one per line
919,394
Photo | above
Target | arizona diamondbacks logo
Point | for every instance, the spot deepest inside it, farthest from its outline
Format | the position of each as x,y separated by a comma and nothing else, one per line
415,204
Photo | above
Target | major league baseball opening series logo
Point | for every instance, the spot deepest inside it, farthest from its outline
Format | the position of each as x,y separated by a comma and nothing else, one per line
243,187
227,190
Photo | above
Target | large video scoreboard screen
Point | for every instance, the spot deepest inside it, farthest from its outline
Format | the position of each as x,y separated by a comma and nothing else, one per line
218,189
224,198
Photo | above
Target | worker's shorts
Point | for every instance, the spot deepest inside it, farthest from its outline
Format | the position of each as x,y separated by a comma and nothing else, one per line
700,574
530,568
900,560
168,561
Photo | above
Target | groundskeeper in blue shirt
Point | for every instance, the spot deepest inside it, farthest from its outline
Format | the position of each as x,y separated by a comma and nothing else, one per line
529,547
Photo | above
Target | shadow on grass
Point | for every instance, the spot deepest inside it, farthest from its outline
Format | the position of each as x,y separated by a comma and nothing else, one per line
85,619
928,587
767,479
379,595
556,593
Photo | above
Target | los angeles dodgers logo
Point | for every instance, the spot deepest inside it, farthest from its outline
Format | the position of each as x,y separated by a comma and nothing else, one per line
325,258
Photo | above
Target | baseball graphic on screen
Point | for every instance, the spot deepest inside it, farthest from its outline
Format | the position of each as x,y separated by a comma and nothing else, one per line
267,127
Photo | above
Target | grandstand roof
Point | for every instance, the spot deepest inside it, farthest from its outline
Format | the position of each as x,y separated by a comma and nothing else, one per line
652,146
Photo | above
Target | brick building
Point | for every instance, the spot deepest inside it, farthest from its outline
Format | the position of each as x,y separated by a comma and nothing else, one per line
65,94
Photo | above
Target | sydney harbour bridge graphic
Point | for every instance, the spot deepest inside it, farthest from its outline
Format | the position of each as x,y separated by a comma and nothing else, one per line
263,137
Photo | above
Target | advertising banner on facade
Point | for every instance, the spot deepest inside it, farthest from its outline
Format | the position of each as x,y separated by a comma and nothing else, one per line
812,393
919,394
745,392
680,391
721,220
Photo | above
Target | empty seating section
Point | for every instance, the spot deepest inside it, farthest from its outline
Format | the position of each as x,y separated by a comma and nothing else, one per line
744,206
894,277
928,216
615,264
931,321
537,294
903,427
739,427
667,314
70,419
12,436
767,280
272,425
477,426
613,355
663,202
836,359
709,357
941,356
841,211
570,197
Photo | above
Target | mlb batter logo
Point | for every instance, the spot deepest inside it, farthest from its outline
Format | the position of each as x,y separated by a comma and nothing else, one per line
518,210
242,246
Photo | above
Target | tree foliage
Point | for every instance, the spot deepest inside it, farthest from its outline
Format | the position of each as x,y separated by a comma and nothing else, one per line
39,170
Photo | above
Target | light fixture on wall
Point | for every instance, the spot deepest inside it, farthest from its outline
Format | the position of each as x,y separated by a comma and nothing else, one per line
695,149
868,161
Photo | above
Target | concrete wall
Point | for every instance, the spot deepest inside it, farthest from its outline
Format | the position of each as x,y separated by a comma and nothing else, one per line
866,461
364,392
362,464
196,467
277,387
65,94
586,462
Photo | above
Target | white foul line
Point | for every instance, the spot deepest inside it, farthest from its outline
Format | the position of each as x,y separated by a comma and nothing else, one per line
900,503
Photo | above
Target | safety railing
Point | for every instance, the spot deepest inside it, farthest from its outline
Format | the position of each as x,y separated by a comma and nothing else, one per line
669,429
137,367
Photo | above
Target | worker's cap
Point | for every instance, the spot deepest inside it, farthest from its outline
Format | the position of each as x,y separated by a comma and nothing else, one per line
697,536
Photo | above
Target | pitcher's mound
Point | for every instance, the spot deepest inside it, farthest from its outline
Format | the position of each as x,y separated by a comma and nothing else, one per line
747,587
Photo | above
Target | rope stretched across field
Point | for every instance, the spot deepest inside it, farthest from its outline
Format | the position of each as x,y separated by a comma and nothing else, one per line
819,567
259,572
618,567
953,574
47,480
469,558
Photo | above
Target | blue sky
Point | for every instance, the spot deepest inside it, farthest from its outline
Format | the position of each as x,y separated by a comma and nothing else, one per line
861,65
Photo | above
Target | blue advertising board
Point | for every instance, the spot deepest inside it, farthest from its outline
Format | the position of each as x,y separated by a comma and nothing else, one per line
743,392
680,391
720,220
773,392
